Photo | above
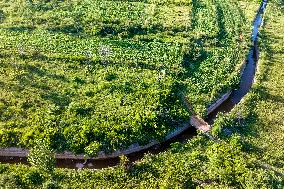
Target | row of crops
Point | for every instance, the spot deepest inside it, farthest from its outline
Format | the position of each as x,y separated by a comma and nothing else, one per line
102,75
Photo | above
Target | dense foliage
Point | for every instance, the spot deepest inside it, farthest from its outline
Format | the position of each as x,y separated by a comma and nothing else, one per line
102,75
247,151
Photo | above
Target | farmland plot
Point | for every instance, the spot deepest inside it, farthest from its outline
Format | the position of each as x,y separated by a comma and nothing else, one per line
102,75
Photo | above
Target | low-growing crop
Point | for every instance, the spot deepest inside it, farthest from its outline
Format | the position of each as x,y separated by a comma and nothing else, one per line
100,75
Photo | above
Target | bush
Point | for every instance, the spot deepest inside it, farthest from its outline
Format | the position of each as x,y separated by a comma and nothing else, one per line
42,157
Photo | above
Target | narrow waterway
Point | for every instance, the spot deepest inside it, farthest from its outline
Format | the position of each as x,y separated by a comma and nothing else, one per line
247,77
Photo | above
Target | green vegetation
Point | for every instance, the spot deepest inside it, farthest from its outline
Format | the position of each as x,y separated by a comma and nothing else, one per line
259,118
102,75
247,152
42,157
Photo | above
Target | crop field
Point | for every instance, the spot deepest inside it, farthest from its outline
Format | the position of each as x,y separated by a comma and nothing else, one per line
245,147
102,75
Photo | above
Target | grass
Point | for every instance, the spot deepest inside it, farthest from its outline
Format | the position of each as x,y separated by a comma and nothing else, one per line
247,154
261,113
89,76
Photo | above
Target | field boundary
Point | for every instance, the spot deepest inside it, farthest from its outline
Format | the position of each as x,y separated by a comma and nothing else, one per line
21,152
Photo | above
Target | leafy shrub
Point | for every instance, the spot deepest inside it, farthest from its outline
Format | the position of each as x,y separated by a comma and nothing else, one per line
42,157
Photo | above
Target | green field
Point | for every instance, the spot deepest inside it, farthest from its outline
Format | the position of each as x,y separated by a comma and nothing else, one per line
247,150
102,75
